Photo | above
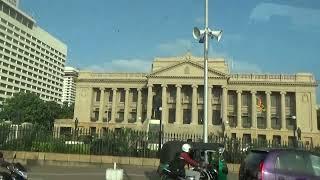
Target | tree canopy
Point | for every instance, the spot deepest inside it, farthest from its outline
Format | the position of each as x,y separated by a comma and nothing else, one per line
28,107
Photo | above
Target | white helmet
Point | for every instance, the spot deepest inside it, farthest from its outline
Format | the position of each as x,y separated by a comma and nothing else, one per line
186,148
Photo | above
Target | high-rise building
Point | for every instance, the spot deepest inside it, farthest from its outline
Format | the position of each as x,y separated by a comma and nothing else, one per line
13,2
69,85
31,60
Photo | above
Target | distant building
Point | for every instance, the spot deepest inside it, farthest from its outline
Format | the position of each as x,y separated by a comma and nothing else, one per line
13,2
31,60
69,86
261,106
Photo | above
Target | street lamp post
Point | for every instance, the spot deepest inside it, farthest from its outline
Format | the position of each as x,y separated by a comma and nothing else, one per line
294,118
76,126
160,132
203,35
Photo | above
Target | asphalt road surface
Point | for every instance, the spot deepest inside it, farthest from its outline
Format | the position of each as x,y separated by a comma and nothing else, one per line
94,173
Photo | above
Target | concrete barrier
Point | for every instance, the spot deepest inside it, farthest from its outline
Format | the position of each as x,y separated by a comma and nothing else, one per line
59,159
114,174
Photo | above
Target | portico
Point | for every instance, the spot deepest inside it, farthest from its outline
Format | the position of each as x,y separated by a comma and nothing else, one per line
248,105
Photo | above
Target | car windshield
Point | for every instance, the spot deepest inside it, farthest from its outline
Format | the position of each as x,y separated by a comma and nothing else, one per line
255,157
299,162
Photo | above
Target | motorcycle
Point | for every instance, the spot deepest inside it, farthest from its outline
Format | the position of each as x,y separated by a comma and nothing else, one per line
205,174
14,171
214,167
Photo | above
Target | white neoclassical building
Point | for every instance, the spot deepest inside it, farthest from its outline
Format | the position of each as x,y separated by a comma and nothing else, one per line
249,106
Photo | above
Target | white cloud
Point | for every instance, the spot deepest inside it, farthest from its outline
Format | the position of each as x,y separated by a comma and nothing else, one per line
243,67
181,46
297,16
121,65
178,46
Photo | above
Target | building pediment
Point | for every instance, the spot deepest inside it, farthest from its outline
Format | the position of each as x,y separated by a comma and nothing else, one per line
186,68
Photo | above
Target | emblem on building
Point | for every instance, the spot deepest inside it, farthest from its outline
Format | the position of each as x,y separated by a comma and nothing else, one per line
187,70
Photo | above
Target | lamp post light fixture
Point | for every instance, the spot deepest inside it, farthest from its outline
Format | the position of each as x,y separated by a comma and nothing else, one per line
203,36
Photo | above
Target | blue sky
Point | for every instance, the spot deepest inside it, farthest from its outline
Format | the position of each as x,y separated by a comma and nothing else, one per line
278,36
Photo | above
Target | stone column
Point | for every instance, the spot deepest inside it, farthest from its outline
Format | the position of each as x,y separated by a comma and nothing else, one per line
283,110
209,105
254,109
239,113
164,104
268,119
178,104
225,104
149,101
139,106
114,108
126,105
194,118
102,105
108,94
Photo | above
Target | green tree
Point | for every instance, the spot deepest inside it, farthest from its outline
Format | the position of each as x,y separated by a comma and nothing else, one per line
28,107
66,111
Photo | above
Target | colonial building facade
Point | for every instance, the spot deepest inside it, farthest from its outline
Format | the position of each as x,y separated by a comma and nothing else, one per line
247,106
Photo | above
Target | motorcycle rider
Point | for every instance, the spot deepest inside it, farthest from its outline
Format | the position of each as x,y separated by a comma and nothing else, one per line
186,158
3,167
3,163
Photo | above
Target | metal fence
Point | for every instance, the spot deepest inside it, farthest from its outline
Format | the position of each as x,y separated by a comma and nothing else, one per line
124,142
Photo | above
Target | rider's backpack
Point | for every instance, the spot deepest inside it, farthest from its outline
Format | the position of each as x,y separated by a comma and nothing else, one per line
177,166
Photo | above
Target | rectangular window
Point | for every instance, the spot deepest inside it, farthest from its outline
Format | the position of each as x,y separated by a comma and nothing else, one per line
216,117
122,95
288,101
232,121
120,116
246,122
261,123
93,130
245,99
134,96
262,139
247,138
200,116
172,115
231,99
132,117
290,122
276,140
275,101
275,122
98,94
186,116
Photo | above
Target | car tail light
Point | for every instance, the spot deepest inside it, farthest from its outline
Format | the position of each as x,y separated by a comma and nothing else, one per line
261,171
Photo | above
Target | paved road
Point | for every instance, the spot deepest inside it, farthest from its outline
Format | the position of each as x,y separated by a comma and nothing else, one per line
93,173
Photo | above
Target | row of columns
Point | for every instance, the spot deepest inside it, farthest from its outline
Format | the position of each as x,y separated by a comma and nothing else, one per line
114,105
254,110
194,118
164,107
164,110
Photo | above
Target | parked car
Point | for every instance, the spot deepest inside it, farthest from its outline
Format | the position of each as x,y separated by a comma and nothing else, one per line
280,164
